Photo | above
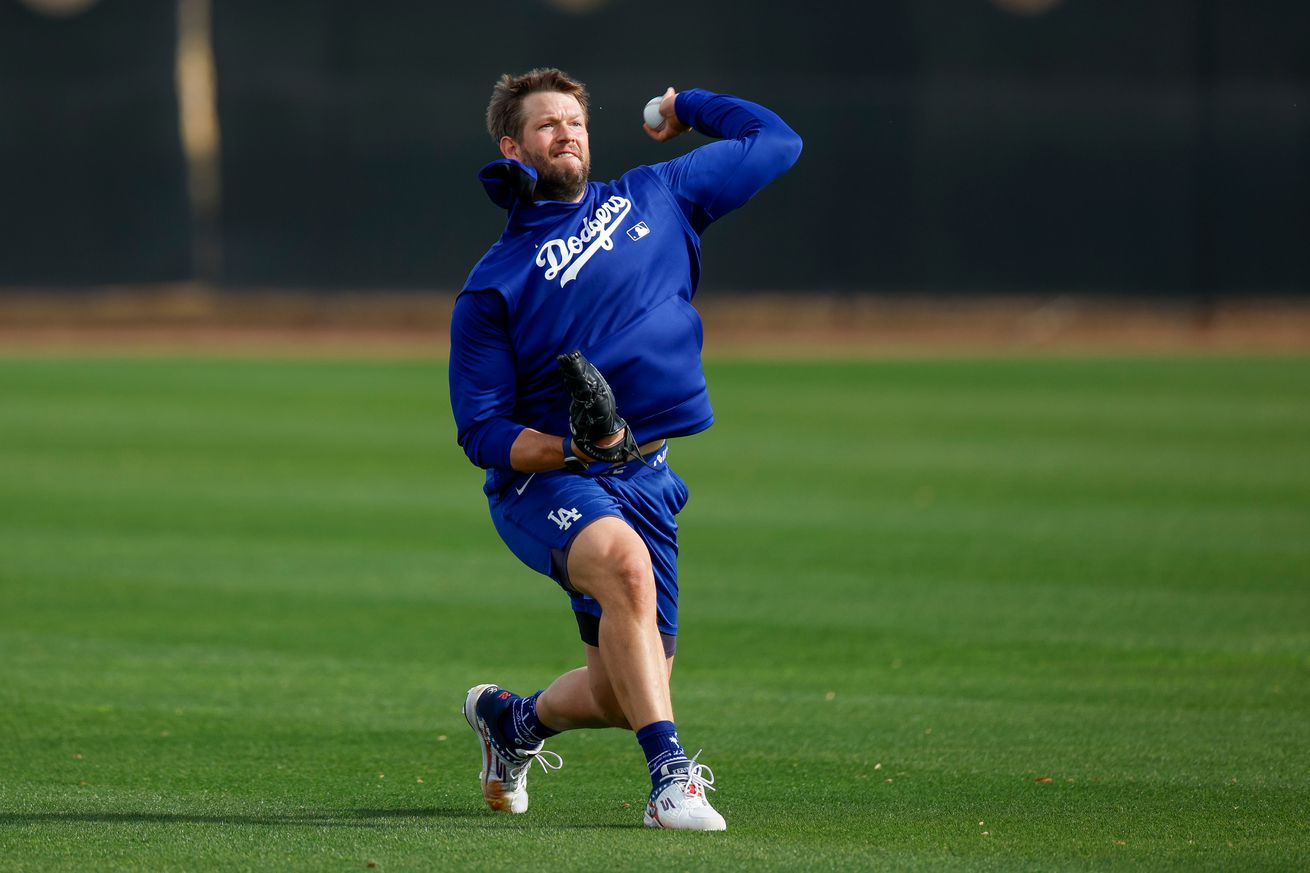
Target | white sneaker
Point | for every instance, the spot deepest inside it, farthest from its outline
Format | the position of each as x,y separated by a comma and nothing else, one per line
680,804
504,773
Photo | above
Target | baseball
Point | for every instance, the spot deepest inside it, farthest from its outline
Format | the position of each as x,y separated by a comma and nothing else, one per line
652,113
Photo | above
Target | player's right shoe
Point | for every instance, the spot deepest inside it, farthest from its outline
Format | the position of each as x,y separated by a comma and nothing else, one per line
679,802
504,774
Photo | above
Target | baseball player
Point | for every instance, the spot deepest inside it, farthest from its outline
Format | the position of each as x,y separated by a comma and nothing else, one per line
575,357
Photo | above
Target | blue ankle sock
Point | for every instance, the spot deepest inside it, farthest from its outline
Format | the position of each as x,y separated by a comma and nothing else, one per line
519,724
659,740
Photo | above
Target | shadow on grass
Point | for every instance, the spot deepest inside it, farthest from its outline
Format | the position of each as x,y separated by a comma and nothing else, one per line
361,818
345,818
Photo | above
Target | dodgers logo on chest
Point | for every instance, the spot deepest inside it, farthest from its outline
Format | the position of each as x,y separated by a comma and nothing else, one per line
564,257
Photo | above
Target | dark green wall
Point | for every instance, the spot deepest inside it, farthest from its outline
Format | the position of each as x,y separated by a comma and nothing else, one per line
1124,146
92,182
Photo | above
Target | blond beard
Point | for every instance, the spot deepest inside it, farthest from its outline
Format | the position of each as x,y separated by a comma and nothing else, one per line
561,184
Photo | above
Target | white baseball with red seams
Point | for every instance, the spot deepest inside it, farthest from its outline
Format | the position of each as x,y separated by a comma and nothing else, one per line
652,113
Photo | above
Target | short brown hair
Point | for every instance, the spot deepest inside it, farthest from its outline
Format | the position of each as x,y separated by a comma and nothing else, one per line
505,111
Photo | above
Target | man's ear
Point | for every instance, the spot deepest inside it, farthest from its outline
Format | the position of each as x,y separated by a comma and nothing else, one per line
509,148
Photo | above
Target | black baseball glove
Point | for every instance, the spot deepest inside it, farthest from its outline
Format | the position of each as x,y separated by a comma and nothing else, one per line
593,415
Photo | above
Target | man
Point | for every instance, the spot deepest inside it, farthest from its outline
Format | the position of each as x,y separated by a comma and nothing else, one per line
608,270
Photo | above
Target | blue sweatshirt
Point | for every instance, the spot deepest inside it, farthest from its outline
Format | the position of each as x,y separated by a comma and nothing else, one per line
612,275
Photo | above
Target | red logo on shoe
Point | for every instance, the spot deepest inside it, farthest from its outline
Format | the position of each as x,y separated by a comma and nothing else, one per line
504,695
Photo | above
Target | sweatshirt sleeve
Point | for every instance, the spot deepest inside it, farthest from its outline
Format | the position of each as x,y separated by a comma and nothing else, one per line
482,378
754,146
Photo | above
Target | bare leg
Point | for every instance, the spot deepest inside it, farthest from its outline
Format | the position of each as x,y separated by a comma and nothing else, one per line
627,677
584,698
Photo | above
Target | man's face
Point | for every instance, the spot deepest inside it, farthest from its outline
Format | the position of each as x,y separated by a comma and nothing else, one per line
554,143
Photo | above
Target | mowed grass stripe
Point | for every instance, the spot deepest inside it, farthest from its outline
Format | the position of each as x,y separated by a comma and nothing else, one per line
939,615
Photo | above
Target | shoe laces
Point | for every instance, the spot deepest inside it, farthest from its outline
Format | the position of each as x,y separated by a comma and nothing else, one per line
699,778
547,759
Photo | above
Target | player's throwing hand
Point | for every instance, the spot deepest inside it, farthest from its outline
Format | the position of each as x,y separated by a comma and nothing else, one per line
672,125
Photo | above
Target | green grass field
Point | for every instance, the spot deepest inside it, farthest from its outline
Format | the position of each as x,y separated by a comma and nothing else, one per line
937,615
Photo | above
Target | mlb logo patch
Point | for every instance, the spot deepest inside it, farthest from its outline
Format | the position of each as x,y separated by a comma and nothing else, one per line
638,230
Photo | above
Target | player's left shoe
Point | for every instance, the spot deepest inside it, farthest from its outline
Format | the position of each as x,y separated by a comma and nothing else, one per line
679,802
504,774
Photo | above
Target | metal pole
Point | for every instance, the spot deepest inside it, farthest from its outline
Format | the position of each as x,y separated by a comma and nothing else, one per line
201,143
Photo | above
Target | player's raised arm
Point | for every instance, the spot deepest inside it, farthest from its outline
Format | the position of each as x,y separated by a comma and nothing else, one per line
754,147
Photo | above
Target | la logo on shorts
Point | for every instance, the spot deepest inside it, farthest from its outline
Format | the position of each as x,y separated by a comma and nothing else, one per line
564,517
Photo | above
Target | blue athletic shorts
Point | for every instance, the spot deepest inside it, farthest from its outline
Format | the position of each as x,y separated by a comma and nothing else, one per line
539,514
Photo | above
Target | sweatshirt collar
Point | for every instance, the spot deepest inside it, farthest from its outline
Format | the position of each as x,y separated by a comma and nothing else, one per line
511,185
508,182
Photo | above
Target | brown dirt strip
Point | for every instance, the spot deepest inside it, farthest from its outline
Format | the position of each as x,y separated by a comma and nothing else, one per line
189,319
